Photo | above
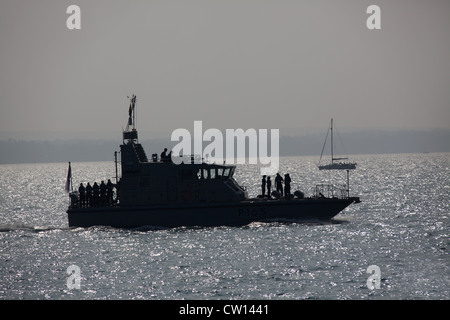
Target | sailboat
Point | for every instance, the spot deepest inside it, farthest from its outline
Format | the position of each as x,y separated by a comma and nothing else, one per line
335,165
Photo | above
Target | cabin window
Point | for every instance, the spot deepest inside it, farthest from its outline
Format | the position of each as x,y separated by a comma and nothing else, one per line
212,173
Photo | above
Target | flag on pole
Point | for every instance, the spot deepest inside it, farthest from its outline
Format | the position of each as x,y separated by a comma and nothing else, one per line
69,178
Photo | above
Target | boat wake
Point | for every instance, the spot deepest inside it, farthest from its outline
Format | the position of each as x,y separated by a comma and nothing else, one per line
308,222
24,227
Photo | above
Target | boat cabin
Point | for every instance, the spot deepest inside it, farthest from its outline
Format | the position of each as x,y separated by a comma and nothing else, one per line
160,181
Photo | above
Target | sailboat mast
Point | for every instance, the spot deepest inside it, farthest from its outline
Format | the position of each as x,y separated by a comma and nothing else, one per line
134,111
332,156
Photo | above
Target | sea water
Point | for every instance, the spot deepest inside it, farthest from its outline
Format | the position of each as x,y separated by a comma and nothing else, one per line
400,230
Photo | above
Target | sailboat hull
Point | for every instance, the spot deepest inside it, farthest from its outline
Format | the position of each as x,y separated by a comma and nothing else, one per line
338,166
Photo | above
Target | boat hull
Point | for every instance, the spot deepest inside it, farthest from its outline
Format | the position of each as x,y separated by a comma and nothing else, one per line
338,166
228,214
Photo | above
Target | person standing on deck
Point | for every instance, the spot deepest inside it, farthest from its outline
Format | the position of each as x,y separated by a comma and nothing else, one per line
269,186
287,186
82,191
89,195
263,186
279,183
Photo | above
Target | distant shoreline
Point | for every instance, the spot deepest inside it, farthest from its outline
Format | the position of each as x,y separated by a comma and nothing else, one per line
14,151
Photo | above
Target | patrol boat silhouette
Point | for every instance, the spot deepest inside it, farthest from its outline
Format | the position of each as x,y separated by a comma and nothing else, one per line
157,192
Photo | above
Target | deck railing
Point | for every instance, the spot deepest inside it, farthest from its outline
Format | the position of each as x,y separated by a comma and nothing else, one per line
331,191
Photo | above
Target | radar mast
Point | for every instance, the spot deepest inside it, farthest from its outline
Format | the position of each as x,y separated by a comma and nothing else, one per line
130,133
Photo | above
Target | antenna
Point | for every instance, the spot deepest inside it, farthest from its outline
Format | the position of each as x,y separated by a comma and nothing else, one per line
131,135
132,113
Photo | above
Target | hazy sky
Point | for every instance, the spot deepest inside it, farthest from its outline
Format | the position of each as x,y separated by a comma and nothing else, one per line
290,65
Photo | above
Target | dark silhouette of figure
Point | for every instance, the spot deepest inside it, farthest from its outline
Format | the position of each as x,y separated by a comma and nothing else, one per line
109,192
279,183
287,186
269,186
82,191
95,194
102,193
263,186
164,155
89,195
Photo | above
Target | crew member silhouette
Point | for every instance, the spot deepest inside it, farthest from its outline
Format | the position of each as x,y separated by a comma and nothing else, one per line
164,155
89,194
102,193
82,191
269,186
263,186
287,186
95,194
109,192
279,183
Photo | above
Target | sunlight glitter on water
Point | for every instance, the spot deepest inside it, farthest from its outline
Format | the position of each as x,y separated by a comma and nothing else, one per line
402,226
